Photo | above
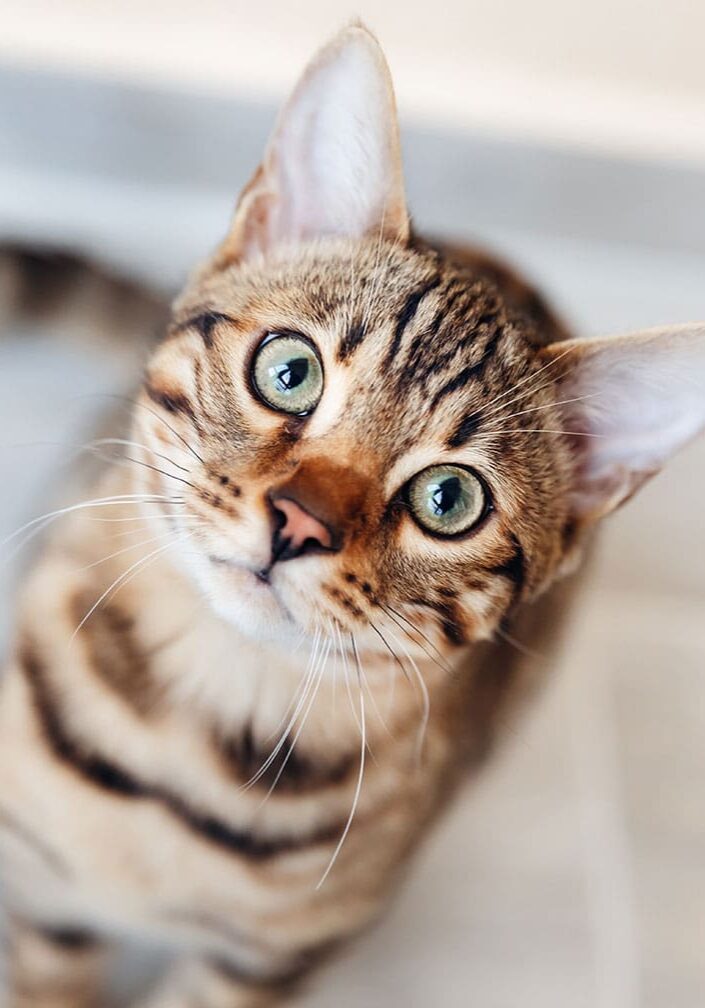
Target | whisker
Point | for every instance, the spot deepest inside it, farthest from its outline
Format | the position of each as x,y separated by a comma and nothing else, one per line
119,583
314,694
137,444
346,677
140,405
148,465
37,525
285,734
296,693
426,700
120,552
156,516
358,788
191,520
97,502
519,645
528,378
391,689
95,448
391,650
543,430
375,706
544,406
440,659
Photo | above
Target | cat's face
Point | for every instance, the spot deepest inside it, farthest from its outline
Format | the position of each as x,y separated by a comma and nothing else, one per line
383,393
359,436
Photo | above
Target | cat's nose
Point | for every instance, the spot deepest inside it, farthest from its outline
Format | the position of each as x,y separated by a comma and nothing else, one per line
297,531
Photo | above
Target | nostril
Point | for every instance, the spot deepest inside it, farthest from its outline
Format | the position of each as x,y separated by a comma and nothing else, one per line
297,531
279,516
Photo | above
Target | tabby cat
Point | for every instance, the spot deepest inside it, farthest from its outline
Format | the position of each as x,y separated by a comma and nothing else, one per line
251,669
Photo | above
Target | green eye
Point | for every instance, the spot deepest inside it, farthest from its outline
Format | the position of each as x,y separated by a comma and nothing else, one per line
287,373
447,500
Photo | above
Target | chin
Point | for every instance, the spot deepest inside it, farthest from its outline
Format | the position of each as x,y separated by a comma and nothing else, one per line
252,607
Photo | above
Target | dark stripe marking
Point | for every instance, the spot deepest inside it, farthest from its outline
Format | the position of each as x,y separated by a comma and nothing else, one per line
468,426
172,402
406,315
113,652
204,323
423,347
108,776
513,569
352,340
450,618
471,371
69,939
291,771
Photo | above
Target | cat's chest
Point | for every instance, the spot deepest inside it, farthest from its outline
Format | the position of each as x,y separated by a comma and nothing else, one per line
154,823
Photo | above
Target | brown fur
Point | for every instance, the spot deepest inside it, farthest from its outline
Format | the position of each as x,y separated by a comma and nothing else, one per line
125,656
181,762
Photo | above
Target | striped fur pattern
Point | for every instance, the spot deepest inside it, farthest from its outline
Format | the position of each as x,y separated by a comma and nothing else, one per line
155,796
184,741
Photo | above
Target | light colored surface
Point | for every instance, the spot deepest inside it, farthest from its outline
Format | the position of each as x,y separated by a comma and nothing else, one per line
623,75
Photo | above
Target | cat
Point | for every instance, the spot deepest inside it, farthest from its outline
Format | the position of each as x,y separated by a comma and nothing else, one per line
251,670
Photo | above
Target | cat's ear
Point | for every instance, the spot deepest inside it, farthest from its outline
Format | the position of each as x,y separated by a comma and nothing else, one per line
635,401
333,165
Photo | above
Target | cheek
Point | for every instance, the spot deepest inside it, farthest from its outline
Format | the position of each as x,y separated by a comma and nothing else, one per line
227,528
454,599
480,611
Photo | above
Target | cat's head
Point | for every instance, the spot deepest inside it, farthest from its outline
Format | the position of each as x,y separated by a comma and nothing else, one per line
361,436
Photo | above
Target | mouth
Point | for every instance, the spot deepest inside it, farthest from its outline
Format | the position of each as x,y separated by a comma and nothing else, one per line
256,584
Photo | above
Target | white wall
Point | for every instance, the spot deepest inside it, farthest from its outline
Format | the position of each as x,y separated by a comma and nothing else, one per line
620,75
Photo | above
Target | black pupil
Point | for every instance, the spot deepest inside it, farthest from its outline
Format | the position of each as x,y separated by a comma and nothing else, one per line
291,373
445,495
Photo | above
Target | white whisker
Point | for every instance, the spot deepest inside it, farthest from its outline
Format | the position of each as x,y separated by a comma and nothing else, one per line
120,552
483,411
136,444
318,679
543,430
426,700
544,406
358,787
119,582
292,721
36,526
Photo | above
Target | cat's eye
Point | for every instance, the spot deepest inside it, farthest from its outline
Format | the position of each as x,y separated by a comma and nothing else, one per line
447,500
287,373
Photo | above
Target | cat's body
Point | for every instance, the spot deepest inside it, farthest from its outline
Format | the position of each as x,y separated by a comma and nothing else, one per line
126,750
258,579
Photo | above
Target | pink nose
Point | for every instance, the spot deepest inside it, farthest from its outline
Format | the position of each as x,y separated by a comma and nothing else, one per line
301,530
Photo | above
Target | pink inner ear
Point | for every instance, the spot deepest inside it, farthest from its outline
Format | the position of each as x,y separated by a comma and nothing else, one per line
637,400
333,166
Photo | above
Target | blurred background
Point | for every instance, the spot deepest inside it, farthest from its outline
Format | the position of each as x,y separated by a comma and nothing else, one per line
570,137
